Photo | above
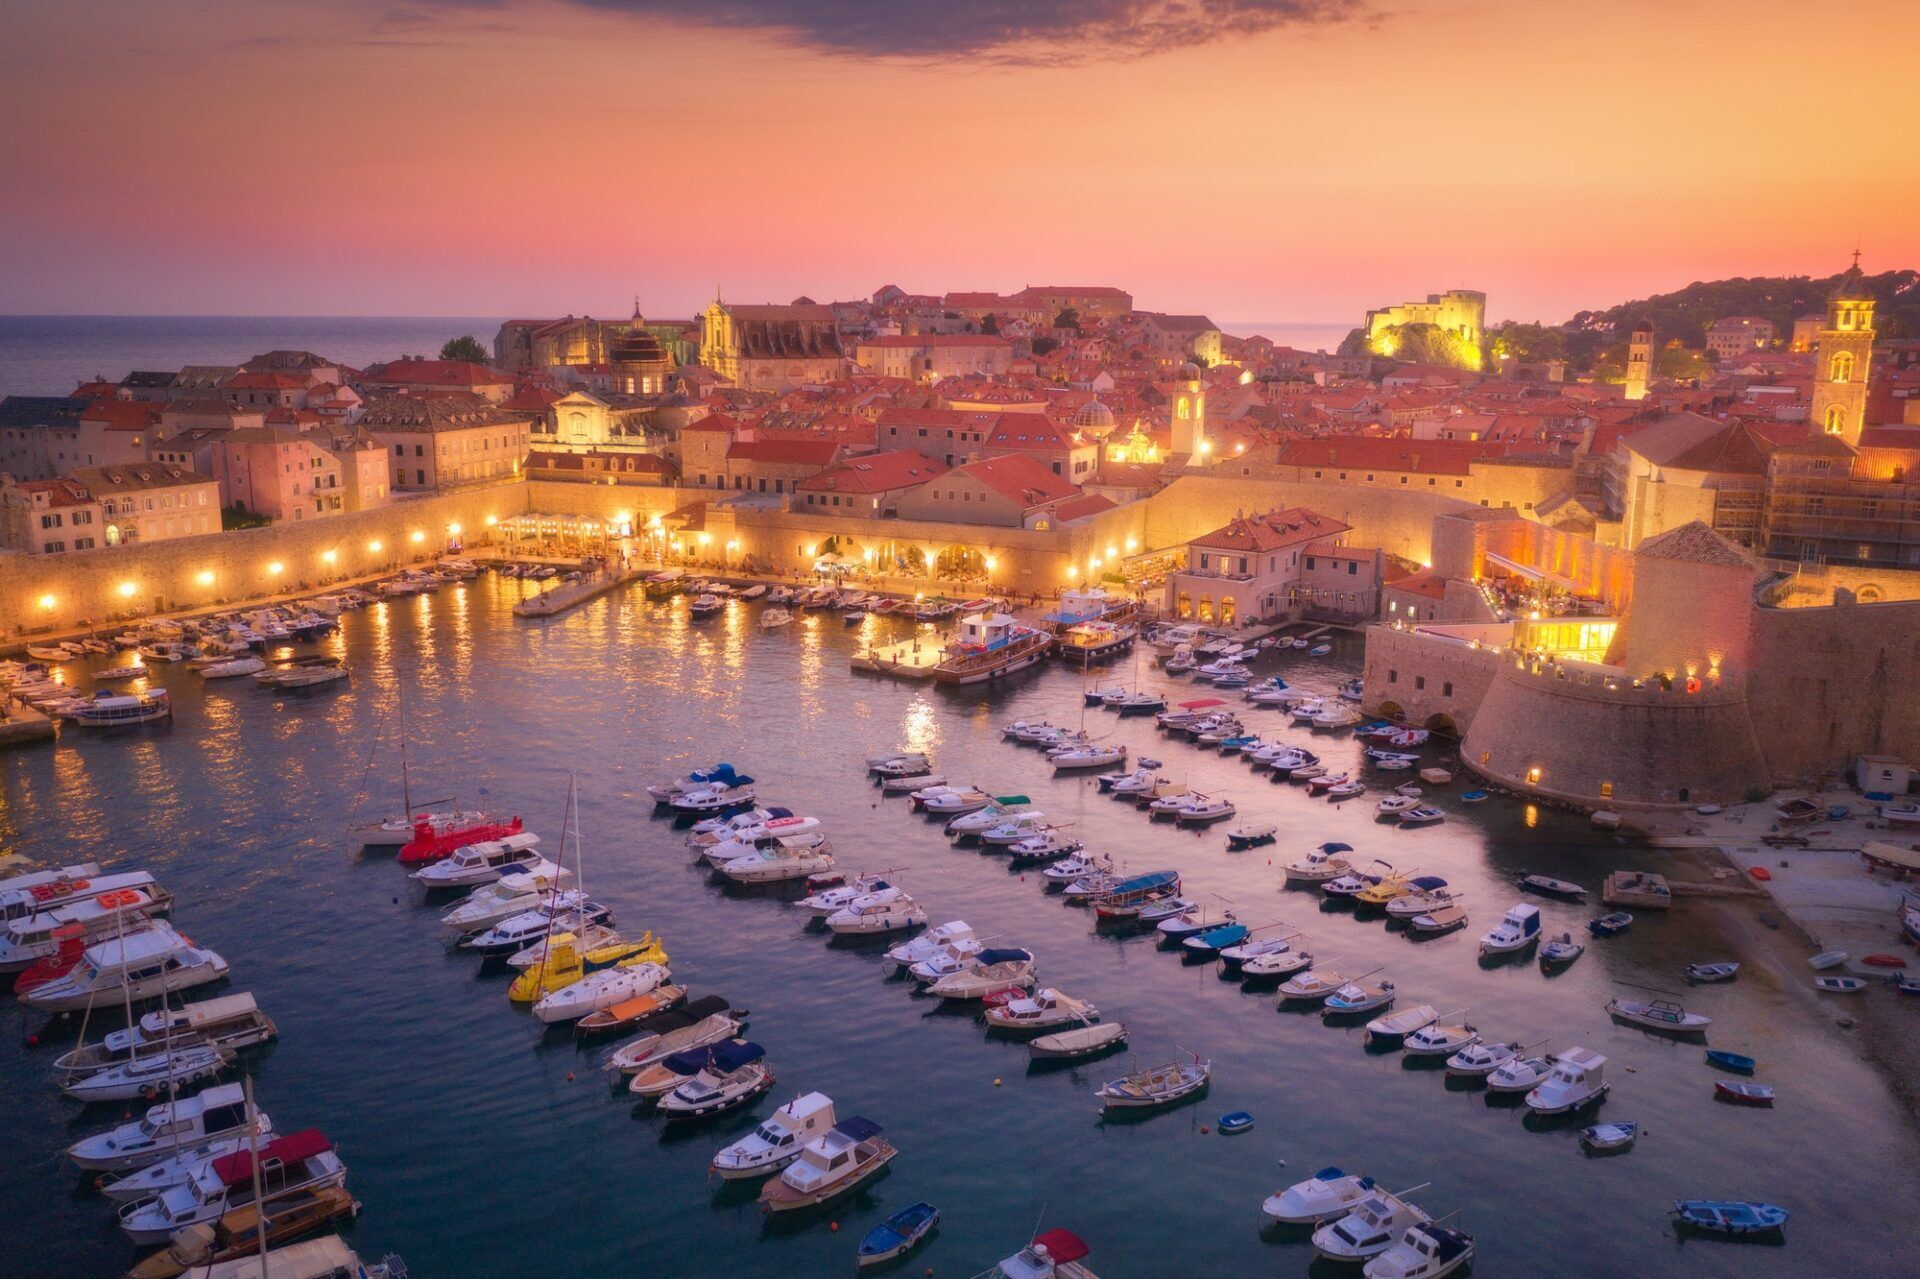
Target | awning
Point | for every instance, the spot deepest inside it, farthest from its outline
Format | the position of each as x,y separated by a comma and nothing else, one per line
1535,574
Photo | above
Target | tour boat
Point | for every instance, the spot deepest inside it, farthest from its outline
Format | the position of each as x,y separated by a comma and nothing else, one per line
482,862
598,990
302,1160
118,710
1610,925
1729,1217
1605,1137
566,960
432,843
777,1141
990,970
1078,1042
1577,1080
136,966
1478,1059
898,1235
1440,1038
955,933
734,1075
1552,887
1327,1195
510,895
1319,866
1391,1029
1517,930
1094,641
830,1165
1423,815
228,1023
1358,996
779,860
1661,1014
31,938
1519,1074
890,912
990,646
1156,1086
569,912
1561,951
1043,1010
1427,1251
170,1128
1369,1227
697,1025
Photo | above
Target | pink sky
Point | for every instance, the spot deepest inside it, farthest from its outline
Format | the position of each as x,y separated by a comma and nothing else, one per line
434,157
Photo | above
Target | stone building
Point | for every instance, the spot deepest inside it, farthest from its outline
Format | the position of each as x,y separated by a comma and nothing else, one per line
929,357
868,487
1177,339
1733,336
1461,312
434,441
1092,301
1639,360
771,348
47,517
1252,567
1843,355
150,501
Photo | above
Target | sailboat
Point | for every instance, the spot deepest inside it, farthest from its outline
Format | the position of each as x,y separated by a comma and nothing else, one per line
404,828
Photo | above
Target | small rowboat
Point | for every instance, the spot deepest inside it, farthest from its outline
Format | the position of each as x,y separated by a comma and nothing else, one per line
898,1235
1081,1041
1609,1136
1839,985
1885,961
1760,873
1551,887
1827,959
1610,925
629,1013
1743,1094
1729,1217
1473,797
1235,1121
1738,1063
1712,972
1156,1086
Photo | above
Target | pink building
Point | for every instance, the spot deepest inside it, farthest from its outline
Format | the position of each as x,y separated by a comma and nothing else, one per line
1284,563
278,473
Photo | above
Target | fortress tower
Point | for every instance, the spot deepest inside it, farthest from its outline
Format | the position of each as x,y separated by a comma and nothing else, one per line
1841,355
1639,359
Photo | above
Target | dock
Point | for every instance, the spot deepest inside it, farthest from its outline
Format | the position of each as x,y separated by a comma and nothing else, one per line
908,659
568,595
24,725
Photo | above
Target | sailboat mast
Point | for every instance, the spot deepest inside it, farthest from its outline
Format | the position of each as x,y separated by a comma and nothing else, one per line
406,782
253,1159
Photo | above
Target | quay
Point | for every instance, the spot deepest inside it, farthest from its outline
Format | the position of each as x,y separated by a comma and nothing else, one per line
23,725
908,659
569,595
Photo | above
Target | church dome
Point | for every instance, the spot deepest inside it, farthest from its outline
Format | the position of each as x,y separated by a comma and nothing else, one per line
1094,420
1188,372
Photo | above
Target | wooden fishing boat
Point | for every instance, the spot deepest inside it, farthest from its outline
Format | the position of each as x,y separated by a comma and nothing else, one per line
1157,1086
1738,1063
1729,1217
1743,1094
1081,1041
237,1234
630,1014
898,1235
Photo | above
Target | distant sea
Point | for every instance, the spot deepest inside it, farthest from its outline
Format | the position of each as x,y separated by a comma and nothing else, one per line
52,354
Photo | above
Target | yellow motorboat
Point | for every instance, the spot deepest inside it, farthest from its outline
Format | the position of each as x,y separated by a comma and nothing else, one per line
564,965
1386,890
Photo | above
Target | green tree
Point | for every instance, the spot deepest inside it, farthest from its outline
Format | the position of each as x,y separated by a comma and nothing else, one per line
466,348
990,323
1529,343
1043,345
1067,319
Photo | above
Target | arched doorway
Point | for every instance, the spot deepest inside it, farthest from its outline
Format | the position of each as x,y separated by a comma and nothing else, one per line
1184,608
960,563
1392,710
1206,608
1228,611
1442,724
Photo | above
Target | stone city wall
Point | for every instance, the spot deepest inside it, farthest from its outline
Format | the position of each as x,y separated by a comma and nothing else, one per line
1426,679
1809,586
1827,685
41,593
1399,523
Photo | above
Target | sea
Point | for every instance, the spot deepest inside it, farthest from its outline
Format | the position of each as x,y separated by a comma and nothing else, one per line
482,1144
52,354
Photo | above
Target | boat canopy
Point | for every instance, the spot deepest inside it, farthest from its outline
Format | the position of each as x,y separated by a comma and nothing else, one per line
1336,848
775,813
1329,1173
735,1053
688,1061
1427,883
1011,799
1144,883
1062,1245
857,1128
718,773
705,1006
1201,703
292,1148
987,958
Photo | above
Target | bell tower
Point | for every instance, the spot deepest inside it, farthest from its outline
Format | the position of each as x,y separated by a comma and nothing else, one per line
1190,416
1841,355
1639,359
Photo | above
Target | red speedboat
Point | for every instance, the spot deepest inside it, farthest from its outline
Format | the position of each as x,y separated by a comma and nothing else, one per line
73,945
429,845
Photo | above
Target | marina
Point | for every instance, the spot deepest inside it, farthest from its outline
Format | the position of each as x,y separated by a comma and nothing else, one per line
376,1016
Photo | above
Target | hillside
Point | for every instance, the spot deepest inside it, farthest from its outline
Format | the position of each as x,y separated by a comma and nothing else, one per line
1686,313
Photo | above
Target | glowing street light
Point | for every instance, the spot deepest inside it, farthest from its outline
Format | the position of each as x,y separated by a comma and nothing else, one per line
206,577
47,601
374,546
127,589
276,568
328,557
418,535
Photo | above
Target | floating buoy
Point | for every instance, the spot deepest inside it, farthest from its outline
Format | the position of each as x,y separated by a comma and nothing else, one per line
569,1076
996,1083
33,1041
833,1227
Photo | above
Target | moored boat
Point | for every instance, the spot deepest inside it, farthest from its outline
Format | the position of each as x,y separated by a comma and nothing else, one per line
848,1154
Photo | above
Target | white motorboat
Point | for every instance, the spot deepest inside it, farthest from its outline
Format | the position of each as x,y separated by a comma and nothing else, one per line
1014,829
154,961
1660,1014
299,1161
1076,866
715,798
1078,1042
780,860
954,800
877,913
569,912
700,1024
1080,757
1277,965
830,901
1517,930
775,617
1041,1011
169,1128
228,1022
699,779
180,1164
1427,1251
303,674
1140,781
1392,1028
1369,1227
778,1140
1202,810
1328,1194
953,933
234,666
1321,865
483,863
1443,917
1429,893
735,1073
1346,790
1439,1038
148,1074
1562,950
829,1166
31,938
1000,810
600,989
988,971
1519,1074
508,896
1479,1059
728,850
1156,1086
900,764
1422,815
750,827
1578,1079
908,785
1312,986
1049,843
1603,1137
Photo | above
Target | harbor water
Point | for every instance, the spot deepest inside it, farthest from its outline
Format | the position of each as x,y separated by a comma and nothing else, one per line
481,1146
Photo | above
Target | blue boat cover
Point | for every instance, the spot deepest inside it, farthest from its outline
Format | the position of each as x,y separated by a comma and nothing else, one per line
688,1061
778,812
735,1053
1336,848
1225,935
858,1128
718,773
987,958
1329,1173
1428,882
1142,883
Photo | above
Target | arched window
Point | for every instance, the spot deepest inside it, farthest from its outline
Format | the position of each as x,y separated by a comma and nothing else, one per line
1206,608
1183,409
1185,606
1227,610
1836,420
1841,369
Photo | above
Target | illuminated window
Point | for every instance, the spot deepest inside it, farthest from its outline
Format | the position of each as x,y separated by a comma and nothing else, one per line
1606,790
1533,775
1841,370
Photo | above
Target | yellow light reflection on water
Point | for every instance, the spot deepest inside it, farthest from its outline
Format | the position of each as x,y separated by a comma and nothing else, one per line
920,728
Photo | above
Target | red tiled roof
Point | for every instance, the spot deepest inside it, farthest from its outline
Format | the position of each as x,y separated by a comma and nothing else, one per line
244,381
1426,583
912,341
436,373
785,452
121,415
1086,504
1271,531
1019,478
713,422
876,473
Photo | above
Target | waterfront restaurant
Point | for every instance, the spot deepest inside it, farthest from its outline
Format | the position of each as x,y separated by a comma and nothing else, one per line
1250,568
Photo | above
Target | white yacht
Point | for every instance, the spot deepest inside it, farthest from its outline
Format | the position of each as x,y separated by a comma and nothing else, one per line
1014,829
1327,1194
139,965
778,1140
951,801
214,1114
988,971
569,912
299,1161
891,912
779,860
1040,1011
1369,1228
714,798
955,933
508,896
831,901
148,1074
601,989
483,863
985,818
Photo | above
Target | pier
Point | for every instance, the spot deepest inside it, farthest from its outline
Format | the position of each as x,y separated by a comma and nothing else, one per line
23,725
573,594
909,659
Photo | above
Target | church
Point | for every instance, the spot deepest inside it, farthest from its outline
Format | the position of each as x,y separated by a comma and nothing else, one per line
771,348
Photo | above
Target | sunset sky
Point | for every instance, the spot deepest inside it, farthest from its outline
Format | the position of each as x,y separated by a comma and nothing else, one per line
1259,160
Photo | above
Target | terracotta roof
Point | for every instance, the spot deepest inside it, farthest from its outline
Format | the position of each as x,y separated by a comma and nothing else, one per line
1696,543
140,475
875,473
1078,508
1425,583
266,381
1271,531
122,415
453,412
910,341
1019,478
455,373
60,492
785,452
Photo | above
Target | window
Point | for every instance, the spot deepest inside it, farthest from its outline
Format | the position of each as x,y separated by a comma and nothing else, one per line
1446,689
1419,681
1353,568
1393,677
1606,790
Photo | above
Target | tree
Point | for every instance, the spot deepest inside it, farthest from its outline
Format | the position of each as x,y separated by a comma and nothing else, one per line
466,348
1529,343
990,323
1043,345
1067,319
